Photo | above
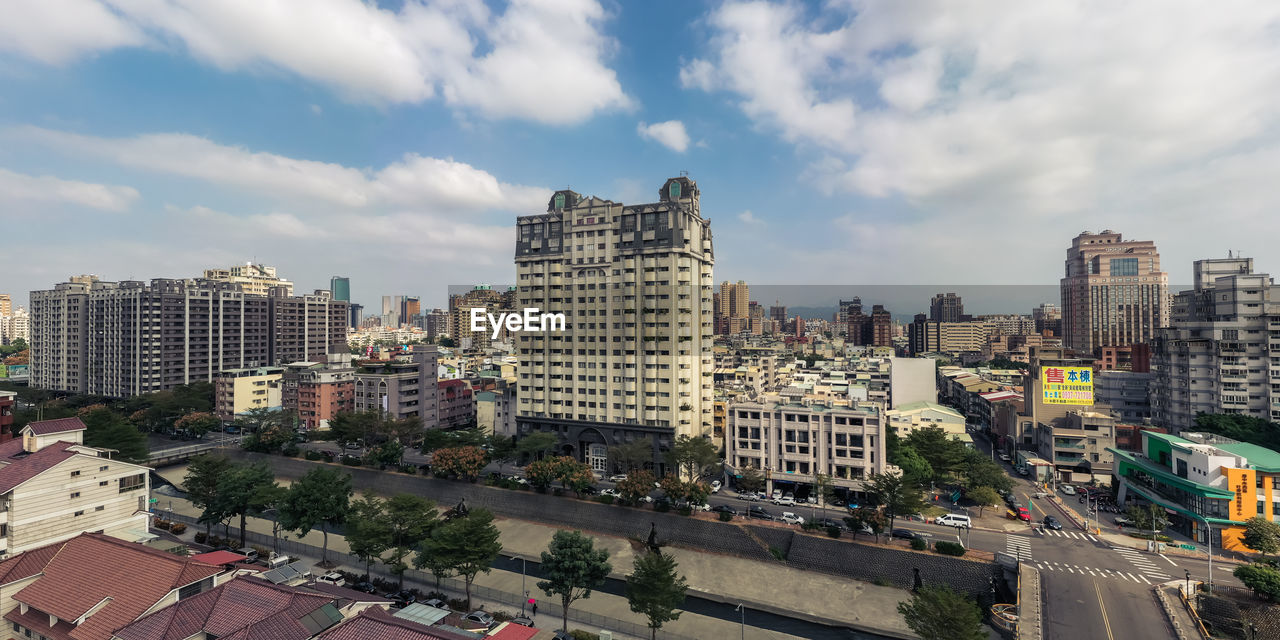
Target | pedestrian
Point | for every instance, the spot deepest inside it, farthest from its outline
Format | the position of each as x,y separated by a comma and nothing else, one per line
535,610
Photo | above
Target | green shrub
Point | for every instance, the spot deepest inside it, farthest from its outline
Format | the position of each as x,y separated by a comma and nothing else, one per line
833,532
290,450
458,604
604,499
662,506
1147,536
312,454
948,548
408,468
919,544
725,516
882,582
579,634
810,526
777,553
685,511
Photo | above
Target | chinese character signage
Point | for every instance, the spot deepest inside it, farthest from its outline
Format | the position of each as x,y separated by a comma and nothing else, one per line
1067,385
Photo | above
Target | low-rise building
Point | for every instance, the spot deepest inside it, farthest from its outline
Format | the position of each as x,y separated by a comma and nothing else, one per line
1206,483
922,415
318,392
405,387
496,410
52,488
236,391
792,439
1079,445
457,405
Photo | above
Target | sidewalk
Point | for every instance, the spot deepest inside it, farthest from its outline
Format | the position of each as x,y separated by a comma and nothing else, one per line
1175,608
759,586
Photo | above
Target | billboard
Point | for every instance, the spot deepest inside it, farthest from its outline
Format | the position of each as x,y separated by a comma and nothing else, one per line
1066,385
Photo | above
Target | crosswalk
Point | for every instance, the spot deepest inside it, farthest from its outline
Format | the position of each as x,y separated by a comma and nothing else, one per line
1017,546
1144,564
1065,567
1075,535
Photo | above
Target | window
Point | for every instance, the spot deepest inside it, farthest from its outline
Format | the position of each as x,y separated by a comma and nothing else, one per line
75,494
102,484
102,468
1124,266
132,483
75,474
100,508
79,513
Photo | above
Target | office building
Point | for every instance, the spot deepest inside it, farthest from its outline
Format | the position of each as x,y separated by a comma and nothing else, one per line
635,284
1220,355
8,404
254,279
1202,479
1114,292
404,387
237,391
340,288
125,338
946,307
791,439
355,315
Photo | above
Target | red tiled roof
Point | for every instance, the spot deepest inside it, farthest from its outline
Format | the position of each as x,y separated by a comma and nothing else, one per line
513,631
240,609
61,425
92,567
375,623
35,620
219,557
25,565
21,468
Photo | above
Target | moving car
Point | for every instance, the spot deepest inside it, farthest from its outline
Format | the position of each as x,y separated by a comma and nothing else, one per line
1023,471
1067,489
791,518
724,508
759,512
749,496
828,522
618,477
715,486
777,494
610,492
1024,515
1051,522
365,587
954,520
522,621
1122,521
787,500
906,534
1005,457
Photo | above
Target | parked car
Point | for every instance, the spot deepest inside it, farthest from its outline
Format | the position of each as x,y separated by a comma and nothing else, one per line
1051,522
828,522
1067,489
724,508
811,500
715,486
522,621
437,603
250,554
1023,471
777,494
401,599
479,617
759,512
334,578
1122,521
785,500
791,518
610,492
365,587
1005,457
1024,515
618,477
866,528
955,520
905,534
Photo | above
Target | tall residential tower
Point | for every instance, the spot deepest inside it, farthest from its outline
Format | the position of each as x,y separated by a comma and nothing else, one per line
1113,294
635,285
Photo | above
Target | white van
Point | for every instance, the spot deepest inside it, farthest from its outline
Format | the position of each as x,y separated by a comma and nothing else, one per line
954,520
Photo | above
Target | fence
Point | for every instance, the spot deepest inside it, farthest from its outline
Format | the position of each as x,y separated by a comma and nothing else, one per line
454,586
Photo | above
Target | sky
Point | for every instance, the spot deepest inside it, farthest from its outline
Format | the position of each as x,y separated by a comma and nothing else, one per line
839,142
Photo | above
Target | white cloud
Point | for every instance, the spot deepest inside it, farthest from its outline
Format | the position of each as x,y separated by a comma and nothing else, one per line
748,218
427,183
670,134
18,186
1006,108
542,60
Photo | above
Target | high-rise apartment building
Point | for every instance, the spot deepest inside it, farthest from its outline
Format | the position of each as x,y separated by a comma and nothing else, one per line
734,308
634,282
1221,355
488,300
1114,292
6,304
254,279
125,338
946,307
340,288
15,326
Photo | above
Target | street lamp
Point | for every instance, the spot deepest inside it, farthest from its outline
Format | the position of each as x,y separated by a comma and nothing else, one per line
743,625
1209,540
1188,582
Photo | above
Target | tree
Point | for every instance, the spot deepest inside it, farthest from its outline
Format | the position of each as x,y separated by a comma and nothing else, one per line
348,427
408,519
467,546
198,423
945,454
502,450
574,475
869,517
463,462
541,473
387,454
201,484
894,495
104,429
937,612
691,455
1261,535
573,567
367,531
752,480
823,488
980,471
984,497
916,471
632,456
673,487
655,590
244,490
536,444
321,498
1264,580
1149,517
1241,427
637,485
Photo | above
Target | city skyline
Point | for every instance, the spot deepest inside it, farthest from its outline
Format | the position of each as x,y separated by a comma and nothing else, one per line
908,142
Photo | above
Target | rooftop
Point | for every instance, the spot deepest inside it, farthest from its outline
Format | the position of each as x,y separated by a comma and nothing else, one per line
375,623
240,609
61,425
917,406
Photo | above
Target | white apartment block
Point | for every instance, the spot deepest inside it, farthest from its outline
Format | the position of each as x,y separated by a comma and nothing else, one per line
792,439
1222,354
635,284
254,279
52,488
15,326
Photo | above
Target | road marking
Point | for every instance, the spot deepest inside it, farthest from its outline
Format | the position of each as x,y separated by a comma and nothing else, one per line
1105,622
1131,576
1144,579
1169,561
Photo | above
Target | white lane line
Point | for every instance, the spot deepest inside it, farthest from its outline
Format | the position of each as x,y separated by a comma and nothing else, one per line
1144,579
1169,561
1132,577
1092,573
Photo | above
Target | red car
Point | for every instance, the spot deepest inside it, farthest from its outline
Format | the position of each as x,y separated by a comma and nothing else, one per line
1024,515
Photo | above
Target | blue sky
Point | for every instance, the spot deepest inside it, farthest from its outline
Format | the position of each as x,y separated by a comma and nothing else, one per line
842,142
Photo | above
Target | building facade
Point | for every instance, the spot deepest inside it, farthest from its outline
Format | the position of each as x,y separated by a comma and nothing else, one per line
1124,394
254,279
340,288
1222,353
317,391
635,284
1113,293
126,338
405,387
457,404
946,307
236,391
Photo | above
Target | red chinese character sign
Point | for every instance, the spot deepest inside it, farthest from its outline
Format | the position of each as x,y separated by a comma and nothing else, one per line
1066,385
